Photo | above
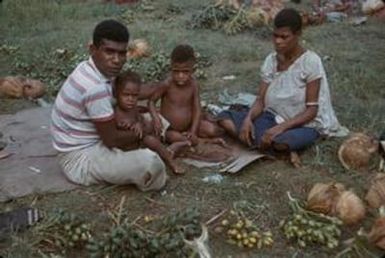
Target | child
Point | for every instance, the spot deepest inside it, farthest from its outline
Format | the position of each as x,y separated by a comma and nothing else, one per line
180,102
128,117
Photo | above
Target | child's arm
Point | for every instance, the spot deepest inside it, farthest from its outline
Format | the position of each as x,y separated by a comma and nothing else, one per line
196,110
155,96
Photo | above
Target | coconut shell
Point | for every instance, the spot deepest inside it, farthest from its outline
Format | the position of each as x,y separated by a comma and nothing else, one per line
138,48
322,197
350,208
376,235
376,194
357,150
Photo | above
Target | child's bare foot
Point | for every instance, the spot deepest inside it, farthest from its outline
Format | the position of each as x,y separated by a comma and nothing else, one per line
176,168
218,141
176,147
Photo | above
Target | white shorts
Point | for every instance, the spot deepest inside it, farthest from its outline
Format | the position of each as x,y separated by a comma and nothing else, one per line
98,164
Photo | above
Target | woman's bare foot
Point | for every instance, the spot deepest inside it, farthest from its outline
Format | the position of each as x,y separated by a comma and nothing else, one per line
295,160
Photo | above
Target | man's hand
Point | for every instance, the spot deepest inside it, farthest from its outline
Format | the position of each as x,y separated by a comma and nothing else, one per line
138,129
270,134
246,133
124,124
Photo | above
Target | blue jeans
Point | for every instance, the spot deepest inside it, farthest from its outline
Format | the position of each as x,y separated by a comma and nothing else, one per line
296,138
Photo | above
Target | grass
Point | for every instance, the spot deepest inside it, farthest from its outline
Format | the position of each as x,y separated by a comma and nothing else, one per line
354,61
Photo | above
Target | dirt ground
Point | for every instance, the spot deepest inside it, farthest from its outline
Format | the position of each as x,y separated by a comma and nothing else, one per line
354,60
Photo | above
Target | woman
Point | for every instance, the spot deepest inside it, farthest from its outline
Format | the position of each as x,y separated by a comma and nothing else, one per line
293,106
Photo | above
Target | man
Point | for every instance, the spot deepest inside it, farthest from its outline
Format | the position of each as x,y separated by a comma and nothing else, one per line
83,124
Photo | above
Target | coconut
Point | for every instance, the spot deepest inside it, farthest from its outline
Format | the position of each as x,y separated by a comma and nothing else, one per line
357,150
376,235
33,89
349,208
322,197
376,194
138,48
17,87
11,87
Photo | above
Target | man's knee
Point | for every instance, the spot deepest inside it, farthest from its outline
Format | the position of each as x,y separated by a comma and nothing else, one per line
157,172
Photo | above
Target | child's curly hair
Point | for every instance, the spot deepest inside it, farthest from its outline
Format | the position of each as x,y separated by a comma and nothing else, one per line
127,76
182,54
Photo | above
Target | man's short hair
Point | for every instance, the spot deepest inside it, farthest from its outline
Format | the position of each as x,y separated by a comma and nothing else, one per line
182,54
125,77
288,17
111,30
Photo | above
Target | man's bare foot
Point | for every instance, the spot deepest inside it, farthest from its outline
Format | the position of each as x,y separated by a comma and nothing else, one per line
176,147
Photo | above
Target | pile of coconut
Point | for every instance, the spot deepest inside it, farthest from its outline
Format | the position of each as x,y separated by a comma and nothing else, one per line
20,87
334,200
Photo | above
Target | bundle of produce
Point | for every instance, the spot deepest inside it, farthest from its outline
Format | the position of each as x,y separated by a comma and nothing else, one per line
243,232
310,228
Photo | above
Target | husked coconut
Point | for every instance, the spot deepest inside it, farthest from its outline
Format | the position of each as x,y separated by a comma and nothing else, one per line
33,89
350,208
376,235
356,151
11,87
323,198
18,87
138,48
376,194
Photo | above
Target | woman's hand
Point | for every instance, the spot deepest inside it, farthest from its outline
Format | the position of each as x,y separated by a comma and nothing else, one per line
270,134
246,134
124,124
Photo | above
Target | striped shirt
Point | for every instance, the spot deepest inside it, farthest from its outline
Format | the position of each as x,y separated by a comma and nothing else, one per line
85,97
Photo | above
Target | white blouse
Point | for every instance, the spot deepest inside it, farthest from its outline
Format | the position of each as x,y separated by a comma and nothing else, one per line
286,93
